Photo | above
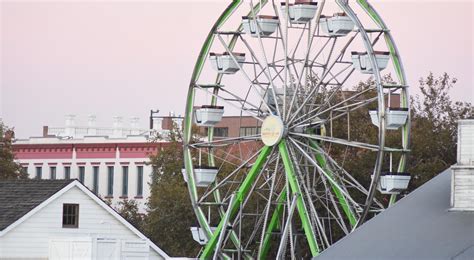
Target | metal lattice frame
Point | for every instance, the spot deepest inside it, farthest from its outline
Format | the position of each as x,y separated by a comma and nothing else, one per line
318,184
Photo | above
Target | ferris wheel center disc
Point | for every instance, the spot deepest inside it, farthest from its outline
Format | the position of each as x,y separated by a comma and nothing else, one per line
272,130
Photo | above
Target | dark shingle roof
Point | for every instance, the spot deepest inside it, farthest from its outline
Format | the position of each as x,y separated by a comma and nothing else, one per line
18,197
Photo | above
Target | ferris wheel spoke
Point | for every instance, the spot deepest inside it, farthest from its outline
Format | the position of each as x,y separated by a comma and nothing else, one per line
347,178
317,113
371,147
315,216
265,68
345,200
302,210
329,177
311,33
224,141
246,76
241,193
308,98
231,175
249,111
262,249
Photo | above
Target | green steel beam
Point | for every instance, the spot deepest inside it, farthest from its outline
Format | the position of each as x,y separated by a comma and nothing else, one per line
240,195
342,200
274,221
295,188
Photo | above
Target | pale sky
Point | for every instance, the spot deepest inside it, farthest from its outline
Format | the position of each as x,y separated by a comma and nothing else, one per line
126,57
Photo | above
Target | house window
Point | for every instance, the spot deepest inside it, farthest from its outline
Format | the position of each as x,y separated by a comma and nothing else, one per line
139,181
52,172
67,172
70,215
95,179
24,169
82,173
248,131
125,181
39,172
110,180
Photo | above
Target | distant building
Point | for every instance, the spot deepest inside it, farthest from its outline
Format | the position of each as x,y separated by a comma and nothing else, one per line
112,162
62,219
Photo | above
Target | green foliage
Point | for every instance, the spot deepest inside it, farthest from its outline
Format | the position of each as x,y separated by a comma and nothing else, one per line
128,209
434,128
9,169
170,214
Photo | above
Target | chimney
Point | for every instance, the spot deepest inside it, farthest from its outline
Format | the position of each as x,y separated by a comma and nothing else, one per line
462,173
45,130
91,129
134,125
70,129
117,125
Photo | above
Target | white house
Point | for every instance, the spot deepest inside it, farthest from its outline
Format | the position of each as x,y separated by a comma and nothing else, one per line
62,219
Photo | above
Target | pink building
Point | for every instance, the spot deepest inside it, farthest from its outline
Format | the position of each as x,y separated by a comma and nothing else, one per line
111,162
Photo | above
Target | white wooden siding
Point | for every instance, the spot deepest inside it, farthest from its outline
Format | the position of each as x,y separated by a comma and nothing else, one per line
462,194
31,238
466,142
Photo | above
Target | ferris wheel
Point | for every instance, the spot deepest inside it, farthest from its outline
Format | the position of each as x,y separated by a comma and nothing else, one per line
312,77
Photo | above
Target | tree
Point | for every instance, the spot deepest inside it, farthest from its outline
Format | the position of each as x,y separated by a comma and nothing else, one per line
170,214
128,209
434,128
9,169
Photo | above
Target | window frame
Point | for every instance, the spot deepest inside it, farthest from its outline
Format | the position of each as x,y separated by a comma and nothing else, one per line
140,170
74,215
81,174
52,172
67,172
110,180
124,181
95,179
38,172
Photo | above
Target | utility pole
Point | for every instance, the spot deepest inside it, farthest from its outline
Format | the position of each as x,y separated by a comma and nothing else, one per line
152,116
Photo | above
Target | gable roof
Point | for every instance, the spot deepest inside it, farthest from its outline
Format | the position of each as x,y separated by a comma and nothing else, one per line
18,197
419,226
67,185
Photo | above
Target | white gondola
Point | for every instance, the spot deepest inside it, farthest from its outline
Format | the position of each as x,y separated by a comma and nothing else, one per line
205,175
361,61
208,115
301,12
338,25
267,25
199,236
393,182
225,64
396,117
185,176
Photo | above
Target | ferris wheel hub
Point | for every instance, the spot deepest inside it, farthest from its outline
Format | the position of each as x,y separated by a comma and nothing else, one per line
273,130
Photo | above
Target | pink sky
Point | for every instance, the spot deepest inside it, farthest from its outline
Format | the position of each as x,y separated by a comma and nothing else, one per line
123,58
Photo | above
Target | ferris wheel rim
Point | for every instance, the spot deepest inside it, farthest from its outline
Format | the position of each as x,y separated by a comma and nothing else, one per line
188,145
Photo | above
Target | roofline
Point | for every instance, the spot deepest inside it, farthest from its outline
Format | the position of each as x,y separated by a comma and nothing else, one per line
99,201
389,209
